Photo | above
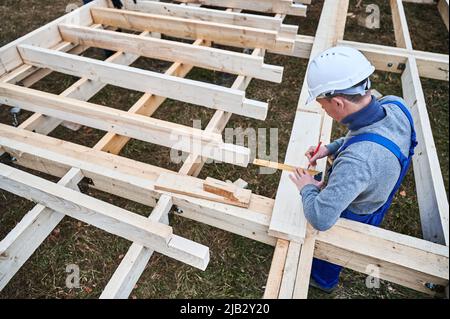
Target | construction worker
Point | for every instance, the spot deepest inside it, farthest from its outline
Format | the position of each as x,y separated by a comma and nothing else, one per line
370,161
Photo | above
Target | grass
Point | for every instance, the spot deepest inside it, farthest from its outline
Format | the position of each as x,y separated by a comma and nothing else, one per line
238,267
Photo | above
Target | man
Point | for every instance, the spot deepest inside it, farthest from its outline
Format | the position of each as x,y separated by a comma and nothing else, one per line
370,162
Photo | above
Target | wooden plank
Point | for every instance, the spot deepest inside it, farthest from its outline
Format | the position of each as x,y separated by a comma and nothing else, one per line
271,6
252,222
205,14
210,58
431,193
187,185
390,59
189,91
229,191
39,222
128,274
443,10
132,125
105,216
304,266
290,271
401,259
30,233
134,262
46,36
402,37
276,270
194,29
122,176
288,220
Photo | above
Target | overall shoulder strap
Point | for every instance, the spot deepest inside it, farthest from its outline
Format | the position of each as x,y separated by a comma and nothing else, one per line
380,140
411,122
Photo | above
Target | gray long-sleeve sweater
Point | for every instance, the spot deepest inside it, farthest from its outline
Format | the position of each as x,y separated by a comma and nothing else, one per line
363,175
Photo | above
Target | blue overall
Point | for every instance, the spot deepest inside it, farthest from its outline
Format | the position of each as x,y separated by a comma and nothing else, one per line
327,274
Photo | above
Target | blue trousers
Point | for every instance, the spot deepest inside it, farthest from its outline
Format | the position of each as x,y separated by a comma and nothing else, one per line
327,274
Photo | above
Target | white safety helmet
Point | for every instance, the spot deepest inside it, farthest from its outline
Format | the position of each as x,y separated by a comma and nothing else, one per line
339,70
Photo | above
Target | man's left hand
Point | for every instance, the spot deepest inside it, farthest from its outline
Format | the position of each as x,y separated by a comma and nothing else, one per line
302,178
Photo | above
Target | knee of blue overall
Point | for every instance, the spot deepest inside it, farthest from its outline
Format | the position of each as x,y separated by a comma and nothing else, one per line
327,274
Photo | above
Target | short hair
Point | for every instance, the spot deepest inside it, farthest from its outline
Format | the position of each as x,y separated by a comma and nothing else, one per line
354,98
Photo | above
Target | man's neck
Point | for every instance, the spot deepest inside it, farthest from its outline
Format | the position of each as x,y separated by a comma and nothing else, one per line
367,114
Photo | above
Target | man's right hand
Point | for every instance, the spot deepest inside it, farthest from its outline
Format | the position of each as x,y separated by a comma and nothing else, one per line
323,152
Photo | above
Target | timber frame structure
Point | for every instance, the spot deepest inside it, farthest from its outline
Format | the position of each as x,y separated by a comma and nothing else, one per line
420,264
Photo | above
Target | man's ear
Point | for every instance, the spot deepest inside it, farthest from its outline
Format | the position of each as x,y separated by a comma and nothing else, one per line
338,102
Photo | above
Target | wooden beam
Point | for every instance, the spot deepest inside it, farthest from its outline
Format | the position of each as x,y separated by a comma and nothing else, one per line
443,10
189,186
253,222
305,265
136,126
134,262
271,6
186,28
38,223
46,36
205,14
124,177
401,259
276,270
288,220
290,271
189,91
402,37
386,58
210,58
390,59
431,193
105,216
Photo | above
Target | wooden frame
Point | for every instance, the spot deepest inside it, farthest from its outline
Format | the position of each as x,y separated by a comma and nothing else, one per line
402,259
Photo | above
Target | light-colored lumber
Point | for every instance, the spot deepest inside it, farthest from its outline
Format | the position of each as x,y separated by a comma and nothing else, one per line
46,36
205,14
431,193
288,220
276,270
187,28
402,37
385,58
443,10
30,232
39,222
210,58
134,262
187,185
304,265
105,216
401,259
229,191
273,6
290,271
390,59
189,91
136,126
254,220
123,177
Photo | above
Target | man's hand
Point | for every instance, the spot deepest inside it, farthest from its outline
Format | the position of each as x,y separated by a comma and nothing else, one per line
302,178
323,152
